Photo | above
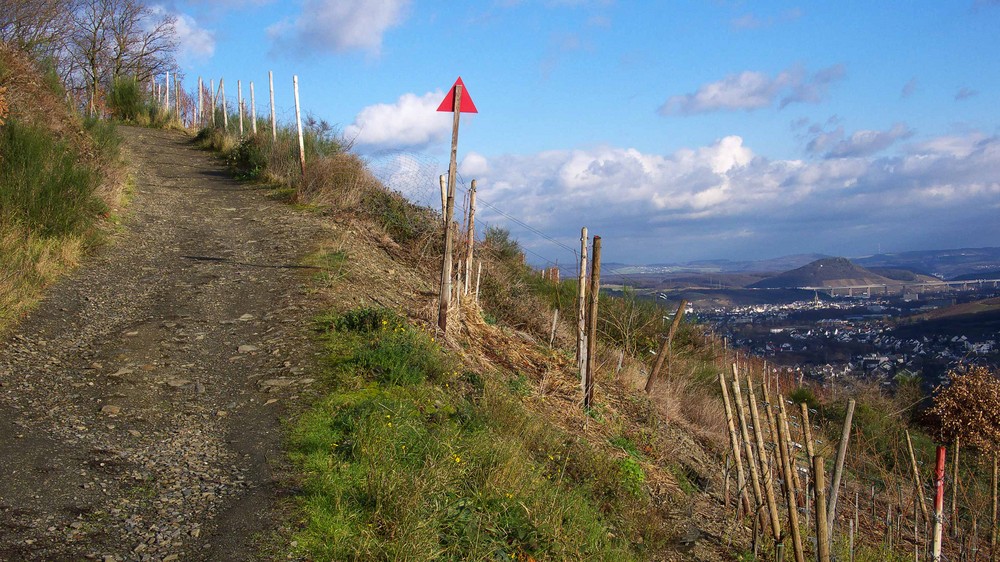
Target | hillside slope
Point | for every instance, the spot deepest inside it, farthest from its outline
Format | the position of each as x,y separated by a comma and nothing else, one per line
827,272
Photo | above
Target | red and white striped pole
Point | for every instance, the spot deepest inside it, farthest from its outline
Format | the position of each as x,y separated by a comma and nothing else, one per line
938,503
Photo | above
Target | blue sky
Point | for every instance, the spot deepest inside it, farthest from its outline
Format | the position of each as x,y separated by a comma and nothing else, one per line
676,130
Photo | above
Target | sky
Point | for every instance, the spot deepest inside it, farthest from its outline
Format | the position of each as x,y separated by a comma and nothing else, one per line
677,131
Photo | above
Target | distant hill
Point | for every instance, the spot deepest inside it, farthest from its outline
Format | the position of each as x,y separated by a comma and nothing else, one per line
827,272
944,264
994,274
904,275
977,319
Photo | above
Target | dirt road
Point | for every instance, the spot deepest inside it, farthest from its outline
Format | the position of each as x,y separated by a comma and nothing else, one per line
140,402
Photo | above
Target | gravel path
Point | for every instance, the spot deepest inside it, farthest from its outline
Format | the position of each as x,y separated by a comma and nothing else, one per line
140,403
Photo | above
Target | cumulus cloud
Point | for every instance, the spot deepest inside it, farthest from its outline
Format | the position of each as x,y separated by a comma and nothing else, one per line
339,25
195,43
412,122
723,199
750,90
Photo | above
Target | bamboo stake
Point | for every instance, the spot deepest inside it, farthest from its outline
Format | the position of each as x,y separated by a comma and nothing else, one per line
661,357
734,442
274,128
916,477
806,430
595,292
786,467
822,538
838,470
225,112
479,274
758,435
298,124
758,496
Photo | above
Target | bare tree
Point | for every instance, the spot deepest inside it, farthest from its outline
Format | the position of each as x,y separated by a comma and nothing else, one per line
37,26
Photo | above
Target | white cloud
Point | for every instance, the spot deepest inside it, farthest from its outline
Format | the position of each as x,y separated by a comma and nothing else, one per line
834,144
195,43
339,25
412,122
753,21
722,199
750,90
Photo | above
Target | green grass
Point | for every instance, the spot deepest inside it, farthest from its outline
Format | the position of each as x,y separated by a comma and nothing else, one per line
406,458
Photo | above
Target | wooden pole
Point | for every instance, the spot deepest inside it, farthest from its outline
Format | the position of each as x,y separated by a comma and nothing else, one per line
758,496
166,91
916,477
661,357
993,511
479,274
850,541
765,466
298,125
822,538
954,489
595,292
581,307
274,128
938,504
806,430
786,468
445,299
239,103
838,470
443,180
734,443
555,320
225,112
199,117
253,110
211,86
470,237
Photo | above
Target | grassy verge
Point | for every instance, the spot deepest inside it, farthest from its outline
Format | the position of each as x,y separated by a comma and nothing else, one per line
407,458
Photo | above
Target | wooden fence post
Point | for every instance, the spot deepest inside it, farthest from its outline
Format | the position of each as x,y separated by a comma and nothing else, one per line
479,273
199,116
445,298
239,103
734,444
806,430
581,308
211,87
993,510
838,469
166,92
822,538
298,125
595,293
225,111
443,180
786,468
274,128
471,234
253,110
555,320
765,467
665,347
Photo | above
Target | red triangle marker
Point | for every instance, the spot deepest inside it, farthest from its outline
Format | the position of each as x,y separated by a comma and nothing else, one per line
465,105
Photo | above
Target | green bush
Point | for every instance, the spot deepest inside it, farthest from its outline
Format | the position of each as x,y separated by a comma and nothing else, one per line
804,395
43,185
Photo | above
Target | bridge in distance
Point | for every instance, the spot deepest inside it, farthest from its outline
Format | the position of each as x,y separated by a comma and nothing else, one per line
901,288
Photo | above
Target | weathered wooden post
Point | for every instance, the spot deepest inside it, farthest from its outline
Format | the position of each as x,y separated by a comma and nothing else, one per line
199,117
665,347
916,477
993,510
734,443
253,110
806,430
211,87
581,309
822,538
938,503
443,180
471,234
786,467
555,321
166,92
595,293
838,469
239,103
765,467
479,274
274,128
298,125
456,102
225,111
954,488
